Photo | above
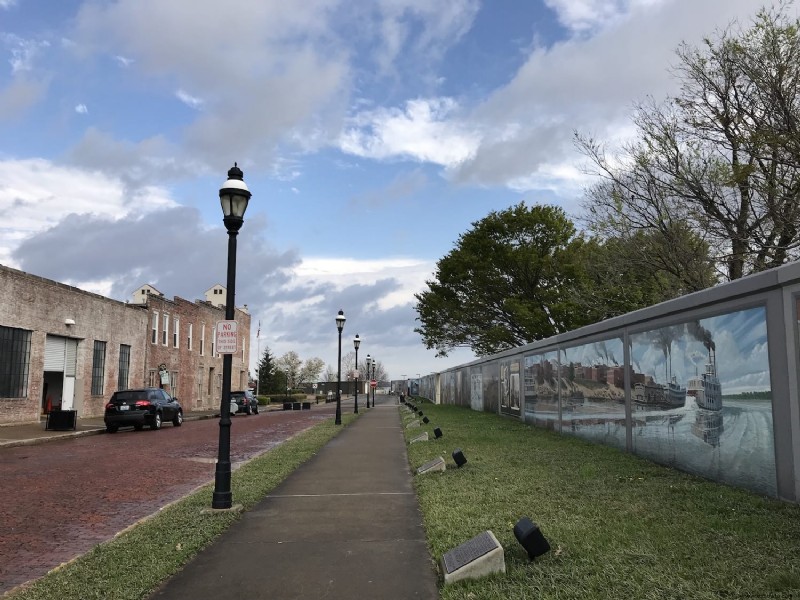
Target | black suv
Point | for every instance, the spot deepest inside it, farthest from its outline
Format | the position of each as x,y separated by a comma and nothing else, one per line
245,401
137,408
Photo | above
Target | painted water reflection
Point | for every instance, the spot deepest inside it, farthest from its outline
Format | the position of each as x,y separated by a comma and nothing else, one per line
734,445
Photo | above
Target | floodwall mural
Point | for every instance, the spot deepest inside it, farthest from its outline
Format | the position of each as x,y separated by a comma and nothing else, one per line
591,379
540,378
701,398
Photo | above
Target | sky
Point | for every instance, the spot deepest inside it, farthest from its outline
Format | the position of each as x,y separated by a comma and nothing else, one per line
371,133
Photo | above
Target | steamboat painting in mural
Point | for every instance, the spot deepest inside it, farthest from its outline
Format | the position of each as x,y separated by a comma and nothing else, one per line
700,396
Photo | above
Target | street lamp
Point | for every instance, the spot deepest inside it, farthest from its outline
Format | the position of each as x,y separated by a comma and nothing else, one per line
368,362
356,344
370,383
339,325
233,196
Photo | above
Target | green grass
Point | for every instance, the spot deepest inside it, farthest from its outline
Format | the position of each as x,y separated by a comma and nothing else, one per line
133,564
619,527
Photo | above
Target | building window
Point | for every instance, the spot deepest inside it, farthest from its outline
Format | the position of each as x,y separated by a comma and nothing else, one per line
244,344
15,353
98,368
154,337
189,340
176,332
173,383
203,339
152,378
165,333
213,346
124,366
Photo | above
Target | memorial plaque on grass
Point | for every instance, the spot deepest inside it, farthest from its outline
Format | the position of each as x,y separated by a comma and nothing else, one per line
477,557
422,437
435,465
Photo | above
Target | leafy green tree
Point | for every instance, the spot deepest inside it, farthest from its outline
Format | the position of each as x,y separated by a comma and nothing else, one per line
510,280
722,158
623,274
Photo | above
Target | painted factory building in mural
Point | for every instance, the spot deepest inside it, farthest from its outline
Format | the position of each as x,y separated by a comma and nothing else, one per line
707,383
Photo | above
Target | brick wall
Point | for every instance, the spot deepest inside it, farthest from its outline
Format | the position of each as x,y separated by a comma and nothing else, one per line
42,306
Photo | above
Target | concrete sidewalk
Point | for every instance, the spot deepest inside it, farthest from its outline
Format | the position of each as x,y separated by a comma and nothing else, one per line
345,525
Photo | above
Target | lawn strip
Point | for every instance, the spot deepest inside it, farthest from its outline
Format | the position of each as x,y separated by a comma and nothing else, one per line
619,526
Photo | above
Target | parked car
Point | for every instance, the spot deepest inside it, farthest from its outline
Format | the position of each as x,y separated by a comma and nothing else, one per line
140,407
245,401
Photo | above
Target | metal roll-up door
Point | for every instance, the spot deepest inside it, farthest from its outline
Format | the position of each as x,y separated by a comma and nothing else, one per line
54,353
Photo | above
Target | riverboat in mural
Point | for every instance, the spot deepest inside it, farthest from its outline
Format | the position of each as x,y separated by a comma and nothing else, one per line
705,387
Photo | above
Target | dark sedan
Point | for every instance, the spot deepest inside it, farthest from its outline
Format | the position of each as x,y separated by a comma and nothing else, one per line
145,406
245,401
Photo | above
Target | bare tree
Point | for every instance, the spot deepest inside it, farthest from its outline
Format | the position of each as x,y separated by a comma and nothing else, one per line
722,158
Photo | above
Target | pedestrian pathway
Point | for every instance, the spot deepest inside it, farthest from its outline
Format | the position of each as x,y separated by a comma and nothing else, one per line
345,525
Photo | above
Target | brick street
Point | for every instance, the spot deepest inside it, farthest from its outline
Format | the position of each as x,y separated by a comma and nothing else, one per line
60,499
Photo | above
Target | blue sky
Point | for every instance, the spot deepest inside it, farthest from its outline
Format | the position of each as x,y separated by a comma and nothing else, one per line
371,134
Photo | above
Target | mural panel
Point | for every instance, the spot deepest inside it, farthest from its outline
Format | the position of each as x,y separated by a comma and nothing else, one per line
541,390
591,377
476,389
510,388
489,379
701,398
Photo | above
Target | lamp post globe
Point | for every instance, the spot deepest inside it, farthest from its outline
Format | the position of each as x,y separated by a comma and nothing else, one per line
233,197
356,344
340,319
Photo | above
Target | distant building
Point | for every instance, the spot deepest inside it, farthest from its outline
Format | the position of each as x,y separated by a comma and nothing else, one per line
61,346
141,295
217,295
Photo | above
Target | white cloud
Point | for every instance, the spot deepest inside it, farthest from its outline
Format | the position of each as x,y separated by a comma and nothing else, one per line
586,83
123,61
81,109
189,100
23,51
36,194
420,131
425,29
6,4
581,15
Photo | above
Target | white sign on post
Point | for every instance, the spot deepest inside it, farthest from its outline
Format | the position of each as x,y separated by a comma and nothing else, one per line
227,339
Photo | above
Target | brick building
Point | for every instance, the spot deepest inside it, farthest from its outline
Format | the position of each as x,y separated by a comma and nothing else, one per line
65,347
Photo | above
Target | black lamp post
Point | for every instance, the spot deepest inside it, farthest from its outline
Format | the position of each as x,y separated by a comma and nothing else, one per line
370,383
339,325
356,344
368,362
233,196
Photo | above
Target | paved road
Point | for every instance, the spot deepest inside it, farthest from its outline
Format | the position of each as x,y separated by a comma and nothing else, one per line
60,499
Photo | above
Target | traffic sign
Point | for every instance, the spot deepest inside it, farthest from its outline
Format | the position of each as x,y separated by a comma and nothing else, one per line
227,340
373,383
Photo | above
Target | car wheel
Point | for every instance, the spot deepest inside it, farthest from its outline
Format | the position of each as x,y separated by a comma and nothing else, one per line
138,427
156,421
249,412
111,429
178,420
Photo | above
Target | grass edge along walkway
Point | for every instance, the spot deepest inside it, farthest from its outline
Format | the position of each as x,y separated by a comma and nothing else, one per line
619,526
132,565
